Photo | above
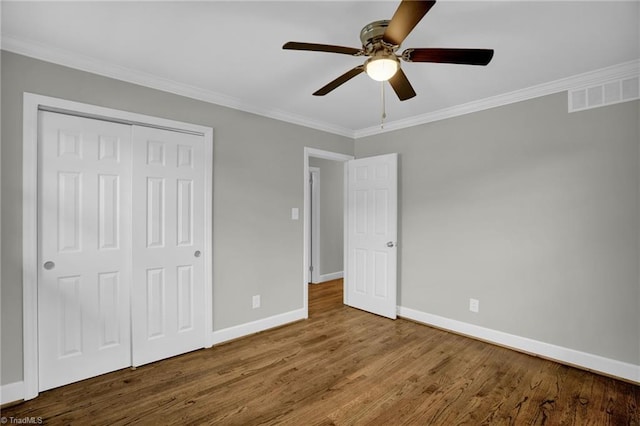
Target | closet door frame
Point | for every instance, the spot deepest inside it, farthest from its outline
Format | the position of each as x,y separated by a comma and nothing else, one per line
32,103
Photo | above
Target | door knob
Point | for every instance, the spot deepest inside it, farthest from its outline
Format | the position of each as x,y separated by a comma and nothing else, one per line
197,253
48,265
391,244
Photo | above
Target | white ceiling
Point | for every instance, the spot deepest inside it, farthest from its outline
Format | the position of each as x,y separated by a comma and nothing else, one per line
231,52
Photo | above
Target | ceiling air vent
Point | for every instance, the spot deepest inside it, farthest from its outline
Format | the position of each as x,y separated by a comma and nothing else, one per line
607,93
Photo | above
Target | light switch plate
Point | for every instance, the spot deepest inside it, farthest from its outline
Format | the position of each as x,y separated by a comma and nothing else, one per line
295,214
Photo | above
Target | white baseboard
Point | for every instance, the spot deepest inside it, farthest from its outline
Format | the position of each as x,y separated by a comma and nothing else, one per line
333,276
226,334
607,366
11,392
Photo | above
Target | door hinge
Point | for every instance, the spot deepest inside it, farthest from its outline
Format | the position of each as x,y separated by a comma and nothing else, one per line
311,268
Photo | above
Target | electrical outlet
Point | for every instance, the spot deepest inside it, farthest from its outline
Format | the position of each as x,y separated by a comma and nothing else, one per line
474,305
256,301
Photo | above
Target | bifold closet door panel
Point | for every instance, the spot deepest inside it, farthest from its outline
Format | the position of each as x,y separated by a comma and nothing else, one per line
84,248
168,241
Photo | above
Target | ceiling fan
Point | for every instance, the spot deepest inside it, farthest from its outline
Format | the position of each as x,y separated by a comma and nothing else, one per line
381,40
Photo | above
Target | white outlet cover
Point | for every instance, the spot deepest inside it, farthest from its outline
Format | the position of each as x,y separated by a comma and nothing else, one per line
295,215
256,301
474,305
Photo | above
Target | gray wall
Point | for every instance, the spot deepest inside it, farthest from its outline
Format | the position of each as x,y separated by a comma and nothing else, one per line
258,178
331,214
531,210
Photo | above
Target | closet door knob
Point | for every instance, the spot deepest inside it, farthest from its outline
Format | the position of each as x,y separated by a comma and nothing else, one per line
197,253
48,265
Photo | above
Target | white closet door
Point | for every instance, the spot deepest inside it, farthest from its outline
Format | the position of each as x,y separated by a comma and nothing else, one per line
84,248
168,242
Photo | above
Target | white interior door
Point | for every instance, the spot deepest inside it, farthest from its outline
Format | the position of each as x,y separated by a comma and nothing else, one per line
84,248
370,270
168,238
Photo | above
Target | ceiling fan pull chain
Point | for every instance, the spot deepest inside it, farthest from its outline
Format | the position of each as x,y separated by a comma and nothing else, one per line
384,112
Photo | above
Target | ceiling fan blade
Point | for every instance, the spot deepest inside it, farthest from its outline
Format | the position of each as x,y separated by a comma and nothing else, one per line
315,47
401,85
339,81
407,16
449,56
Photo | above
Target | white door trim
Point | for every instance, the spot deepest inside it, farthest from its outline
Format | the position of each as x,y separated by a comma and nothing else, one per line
315,226
327,155
31,104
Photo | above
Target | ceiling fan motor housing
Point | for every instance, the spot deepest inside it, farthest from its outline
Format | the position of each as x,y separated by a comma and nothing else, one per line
371,37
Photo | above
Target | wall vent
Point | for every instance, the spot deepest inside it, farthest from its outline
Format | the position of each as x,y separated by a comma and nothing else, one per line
607,93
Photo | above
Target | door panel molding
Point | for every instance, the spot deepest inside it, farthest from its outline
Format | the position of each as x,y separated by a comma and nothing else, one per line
32,103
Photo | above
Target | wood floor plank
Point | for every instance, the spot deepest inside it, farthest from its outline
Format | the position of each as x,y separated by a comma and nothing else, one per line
343,366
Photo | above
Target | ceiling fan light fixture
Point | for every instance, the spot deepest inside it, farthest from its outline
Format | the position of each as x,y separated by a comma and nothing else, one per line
380,42
382,68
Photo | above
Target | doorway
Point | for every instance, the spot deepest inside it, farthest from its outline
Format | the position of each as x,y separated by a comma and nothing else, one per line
327,220
370,231
309,155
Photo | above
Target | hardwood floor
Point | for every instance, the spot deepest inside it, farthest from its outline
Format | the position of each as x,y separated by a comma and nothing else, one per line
343,367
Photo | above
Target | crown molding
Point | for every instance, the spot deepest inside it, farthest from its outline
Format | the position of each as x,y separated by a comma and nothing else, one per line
91,65
88,64
619,71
